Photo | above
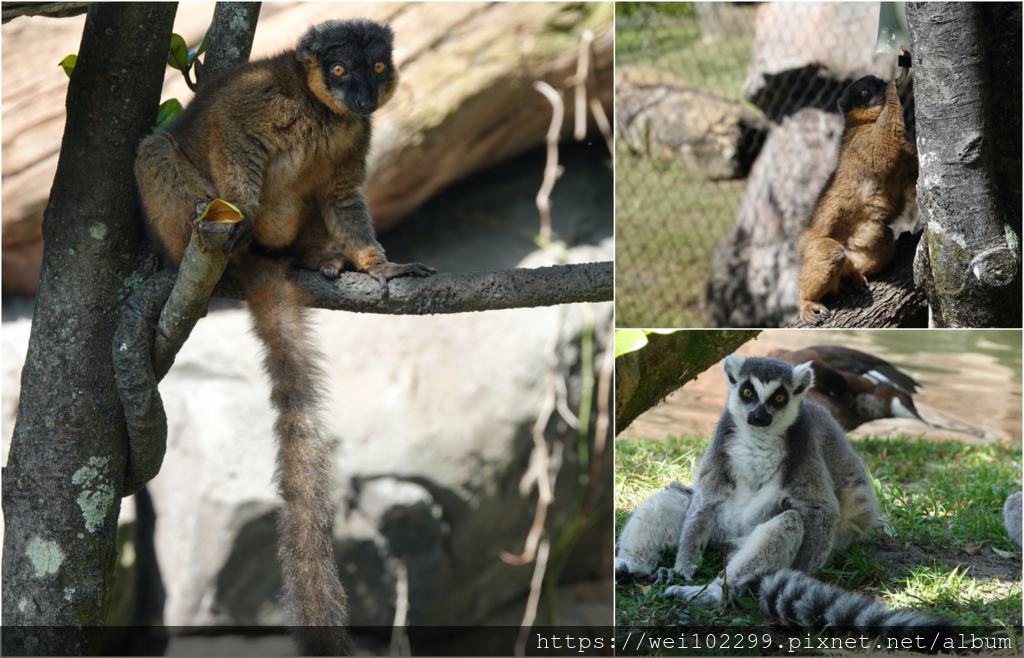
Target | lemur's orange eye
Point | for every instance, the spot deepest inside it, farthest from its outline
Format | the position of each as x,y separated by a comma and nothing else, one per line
337,70
378,67
865,92
780,398
747,392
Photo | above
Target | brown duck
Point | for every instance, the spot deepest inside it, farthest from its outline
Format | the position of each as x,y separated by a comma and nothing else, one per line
855,386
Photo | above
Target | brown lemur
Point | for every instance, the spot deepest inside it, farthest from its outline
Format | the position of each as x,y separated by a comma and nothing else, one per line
849,235
285,139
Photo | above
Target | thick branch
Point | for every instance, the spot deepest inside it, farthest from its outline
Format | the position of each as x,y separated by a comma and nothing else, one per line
969,264
644,377
890,300
197,276
231,35
13,10
454,293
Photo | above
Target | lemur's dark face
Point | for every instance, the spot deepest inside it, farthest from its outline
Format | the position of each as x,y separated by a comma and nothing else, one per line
354,58
869,91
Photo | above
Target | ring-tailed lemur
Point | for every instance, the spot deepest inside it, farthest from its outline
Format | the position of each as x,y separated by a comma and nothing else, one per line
781,485
1011,517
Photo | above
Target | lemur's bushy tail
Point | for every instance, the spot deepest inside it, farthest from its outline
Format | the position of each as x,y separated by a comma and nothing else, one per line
312,591
794,596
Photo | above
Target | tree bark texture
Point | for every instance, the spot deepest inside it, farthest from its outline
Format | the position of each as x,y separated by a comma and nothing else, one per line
891,299
231,35
969,260
453,293
644,378
62,485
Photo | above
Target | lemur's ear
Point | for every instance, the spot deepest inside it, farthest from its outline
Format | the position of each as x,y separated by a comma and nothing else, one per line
803,378
732,368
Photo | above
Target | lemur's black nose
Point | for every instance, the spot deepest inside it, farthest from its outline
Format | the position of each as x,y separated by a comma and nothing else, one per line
759,417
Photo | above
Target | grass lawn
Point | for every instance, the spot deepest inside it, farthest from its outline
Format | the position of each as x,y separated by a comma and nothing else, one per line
669,218
940,501
667,222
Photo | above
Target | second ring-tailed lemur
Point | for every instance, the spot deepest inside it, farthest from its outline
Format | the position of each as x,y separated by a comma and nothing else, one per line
782,486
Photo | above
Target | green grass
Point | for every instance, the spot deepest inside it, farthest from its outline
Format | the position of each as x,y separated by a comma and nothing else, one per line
667,222
936,498
673,44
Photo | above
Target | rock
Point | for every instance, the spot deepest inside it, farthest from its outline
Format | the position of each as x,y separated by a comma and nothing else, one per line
806,54
753,281
465,101
660,115
432,418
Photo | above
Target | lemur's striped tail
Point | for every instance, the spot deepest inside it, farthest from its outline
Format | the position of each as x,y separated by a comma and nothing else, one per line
794,596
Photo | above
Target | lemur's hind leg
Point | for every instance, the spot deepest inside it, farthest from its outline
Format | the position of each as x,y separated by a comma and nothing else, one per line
773,545
656,522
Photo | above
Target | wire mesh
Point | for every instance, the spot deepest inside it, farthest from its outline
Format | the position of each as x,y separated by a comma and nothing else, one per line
674,203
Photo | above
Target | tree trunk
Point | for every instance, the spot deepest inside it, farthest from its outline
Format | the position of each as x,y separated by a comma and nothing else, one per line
644,378
62,485
968,262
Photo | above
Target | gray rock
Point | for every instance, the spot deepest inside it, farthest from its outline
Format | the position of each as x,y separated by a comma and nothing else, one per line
753,281
661,116
431,416
806,54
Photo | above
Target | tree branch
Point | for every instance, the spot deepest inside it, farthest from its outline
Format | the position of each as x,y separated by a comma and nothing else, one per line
890,300
453,293
645,377
231,36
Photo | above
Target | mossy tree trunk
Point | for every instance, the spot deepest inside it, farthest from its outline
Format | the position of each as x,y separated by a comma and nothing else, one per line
62,484
644,377
967,66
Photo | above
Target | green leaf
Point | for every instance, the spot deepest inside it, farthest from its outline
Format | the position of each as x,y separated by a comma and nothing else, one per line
628,340
168,112
177,58
68,64
221,212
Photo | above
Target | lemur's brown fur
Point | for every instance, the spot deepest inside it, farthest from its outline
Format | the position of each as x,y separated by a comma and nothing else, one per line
849,234
285,139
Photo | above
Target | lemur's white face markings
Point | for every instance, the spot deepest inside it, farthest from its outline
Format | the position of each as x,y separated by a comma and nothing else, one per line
764,396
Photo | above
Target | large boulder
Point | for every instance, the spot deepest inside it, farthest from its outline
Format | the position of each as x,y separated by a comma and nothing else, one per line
431,418
465,101
658,114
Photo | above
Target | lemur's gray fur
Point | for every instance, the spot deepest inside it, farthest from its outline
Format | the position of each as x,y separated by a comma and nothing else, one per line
782,487
1011,518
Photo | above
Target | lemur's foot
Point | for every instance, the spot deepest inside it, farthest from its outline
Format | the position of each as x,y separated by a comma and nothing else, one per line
858,280
706,597
663,576
387,271
814,312
201,205
241,236
330,264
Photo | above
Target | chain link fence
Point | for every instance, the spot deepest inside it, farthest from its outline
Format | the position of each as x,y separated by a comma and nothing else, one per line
700,88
